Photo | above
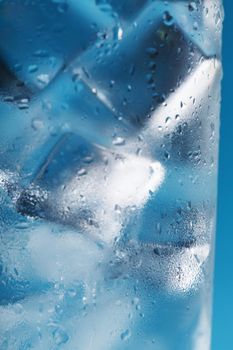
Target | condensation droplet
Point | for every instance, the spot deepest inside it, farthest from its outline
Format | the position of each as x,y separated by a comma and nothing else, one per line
37,124
23,103
43,79
32,68
167,18
167,120
125,335
152,51
60,336
192,6
82,172
118,141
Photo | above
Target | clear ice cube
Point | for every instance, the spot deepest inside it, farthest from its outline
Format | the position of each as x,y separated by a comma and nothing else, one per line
38,42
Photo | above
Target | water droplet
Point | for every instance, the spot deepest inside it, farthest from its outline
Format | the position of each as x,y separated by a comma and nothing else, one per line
129,87
18,67
60,336
88,159
37,124
195,26
103,6
22,225
167,18
118,141
167,120
117,209
167,155
82,172
8,99
41,53
149,78
111,83
43,79
152,65
23,103
152,51
63,7
32,68
132,69
120,34
158,227
136,303
125,335
72,293
192,6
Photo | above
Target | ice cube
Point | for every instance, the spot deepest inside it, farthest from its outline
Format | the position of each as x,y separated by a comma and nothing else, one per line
90,187
152,56
41,40
27,257
29,135
72,258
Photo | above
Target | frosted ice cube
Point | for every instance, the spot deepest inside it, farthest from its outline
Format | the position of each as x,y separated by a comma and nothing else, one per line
73,257
45,321
168,267
91,188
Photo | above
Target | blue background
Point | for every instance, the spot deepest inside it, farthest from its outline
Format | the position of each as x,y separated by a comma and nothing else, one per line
223,297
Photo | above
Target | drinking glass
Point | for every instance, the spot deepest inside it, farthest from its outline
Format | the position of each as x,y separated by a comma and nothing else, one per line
109,135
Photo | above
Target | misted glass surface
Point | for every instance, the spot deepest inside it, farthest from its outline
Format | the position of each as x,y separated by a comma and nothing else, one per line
109,127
